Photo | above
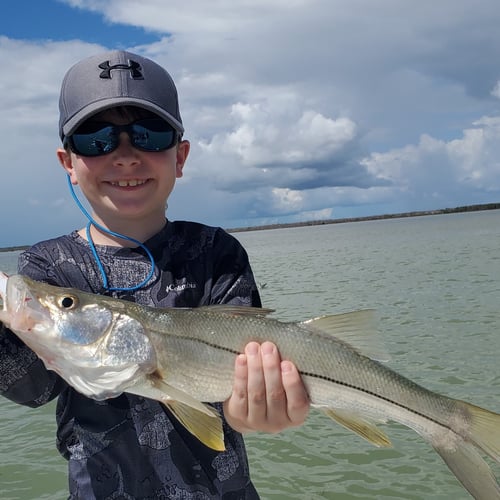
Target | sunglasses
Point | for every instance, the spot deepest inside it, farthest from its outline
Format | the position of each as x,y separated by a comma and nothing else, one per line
101,138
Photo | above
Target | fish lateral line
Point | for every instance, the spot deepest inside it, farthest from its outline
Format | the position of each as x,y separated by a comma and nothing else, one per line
217,346
378,396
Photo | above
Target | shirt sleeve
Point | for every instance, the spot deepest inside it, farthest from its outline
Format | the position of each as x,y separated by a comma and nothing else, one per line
23,376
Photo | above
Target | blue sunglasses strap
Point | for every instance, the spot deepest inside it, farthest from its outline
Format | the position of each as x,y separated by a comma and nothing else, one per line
112,233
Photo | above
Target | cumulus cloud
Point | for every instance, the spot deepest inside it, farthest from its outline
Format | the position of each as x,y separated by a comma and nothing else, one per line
260,139
279,143
435,169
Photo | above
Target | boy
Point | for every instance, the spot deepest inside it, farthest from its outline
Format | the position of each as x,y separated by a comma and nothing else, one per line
122,135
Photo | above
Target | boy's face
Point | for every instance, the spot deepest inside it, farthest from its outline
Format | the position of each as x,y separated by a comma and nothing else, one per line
126,184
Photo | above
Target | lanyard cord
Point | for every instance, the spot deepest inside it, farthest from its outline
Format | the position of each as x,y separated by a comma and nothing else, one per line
112,233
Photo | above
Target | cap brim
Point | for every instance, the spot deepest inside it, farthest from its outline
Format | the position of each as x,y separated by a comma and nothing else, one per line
75,121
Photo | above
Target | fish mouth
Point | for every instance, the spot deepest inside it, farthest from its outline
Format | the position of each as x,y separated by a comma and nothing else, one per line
21,310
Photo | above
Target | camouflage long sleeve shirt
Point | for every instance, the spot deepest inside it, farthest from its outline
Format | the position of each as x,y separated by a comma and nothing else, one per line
129,446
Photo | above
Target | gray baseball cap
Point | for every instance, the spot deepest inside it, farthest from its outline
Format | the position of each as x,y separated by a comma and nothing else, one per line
113,79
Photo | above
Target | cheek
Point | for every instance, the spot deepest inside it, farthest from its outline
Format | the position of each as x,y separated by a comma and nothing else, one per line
83,172
77,175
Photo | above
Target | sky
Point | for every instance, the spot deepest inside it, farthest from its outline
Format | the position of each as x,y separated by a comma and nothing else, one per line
295,109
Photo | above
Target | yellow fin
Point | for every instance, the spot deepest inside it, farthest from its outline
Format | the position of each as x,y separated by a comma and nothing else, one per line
484,429
207,429
367,430
200,419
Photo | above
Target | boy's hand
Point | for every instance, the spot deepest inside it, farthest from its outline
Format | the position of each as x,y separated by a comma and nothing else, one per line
268,394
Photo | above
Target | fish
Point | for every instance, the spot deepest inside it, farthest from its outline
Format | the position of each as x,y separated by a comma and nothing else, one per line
184,358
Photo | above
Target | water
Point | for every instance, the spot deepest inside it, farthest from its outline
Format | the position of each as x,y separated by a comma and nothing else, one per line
435,282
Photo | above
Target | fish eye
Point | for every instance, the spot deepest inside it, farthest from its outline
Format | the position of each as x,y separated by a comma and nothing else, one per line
67,302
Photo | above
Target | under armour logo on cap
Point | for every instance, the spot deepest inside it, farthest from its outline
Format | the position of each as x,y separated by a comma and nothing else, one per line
133,67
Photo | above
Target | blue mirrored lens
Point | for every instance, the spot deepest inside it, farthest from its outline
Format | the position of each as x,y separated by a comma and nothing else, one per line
152,135
98,138
97,142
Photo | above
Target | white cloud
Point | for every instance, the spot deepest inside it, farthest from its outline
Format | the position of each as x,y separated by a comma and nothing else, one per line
442,170
287,200
193,16
267,133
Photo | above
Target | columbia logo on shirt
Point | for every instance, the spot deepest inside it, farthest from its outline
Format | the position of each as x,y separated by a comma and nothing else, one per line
180,287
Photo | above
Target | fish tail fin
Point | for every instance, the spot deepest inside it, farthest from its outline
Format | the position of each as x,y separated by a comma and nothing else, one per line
484,429
462,456
471,470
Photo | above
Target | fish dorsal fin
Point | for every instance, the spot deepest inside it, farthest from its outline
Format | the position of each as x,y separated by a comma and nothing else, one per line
357,329
200,419
235,310
361,426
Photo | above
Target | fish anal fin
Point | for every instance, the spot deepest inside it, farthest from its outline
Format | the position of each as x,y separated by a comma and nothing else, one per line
356,328
364,428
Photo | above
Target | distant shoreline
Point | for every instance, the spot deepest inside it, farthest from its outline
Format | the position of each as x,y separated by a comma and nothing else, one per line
466,208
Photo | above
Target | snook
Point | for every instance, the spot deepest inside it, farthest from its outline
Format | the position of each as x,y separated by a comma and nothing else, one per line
103,347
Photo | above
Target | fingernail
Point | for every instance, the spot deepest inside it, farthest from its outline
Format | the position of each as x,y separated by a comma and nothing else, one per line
267,349
252,349
286,367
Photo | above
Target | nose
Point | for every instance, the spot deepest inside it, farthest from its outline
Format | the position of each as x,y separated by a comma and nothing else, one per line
125,153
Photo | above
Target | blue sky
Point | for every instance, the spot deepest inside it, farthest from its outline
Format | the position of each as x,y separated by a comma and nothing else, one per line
59,21
295,109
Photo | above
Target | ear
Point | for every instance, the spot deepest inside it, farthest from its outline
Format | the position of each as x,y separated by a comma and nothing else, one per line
66,162
182,153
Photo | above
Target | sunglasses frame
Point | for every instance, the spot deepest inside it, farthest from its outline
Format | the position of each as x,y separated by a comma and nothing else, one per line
114,136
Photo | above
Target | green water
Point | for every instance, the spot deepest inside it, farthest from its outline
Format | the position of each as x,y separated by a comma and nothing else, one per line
435,282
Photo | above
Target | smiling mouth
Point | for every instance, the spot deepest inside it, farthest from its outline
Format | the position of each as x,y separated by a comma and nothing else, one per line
129,183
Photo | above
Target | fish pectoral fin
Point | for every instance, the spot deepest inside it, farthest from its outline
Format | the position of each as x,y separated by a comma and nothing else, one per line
208,429
200,419
361,426
356,328
156,388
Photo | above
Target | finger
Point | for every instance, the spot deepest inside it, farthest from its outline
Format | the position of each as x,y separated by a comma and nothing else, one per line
256,386
296,393
238,400
275,392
